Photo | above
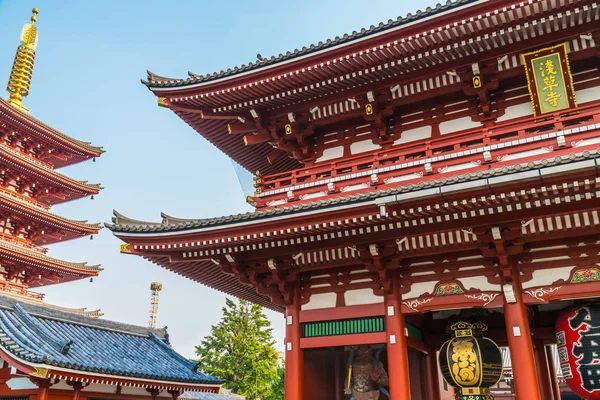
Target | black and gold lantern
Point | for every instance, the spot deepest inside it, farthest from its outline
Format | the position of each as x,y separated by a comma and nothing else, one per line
470,362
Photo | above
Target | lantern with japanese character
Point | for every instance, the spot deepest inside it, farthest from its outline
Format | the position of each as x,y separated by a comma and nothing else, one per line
578,341
470,362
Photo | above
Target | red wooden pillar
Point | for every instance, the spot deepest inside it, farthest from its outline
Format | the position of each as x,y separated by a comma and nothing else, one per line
543,370
338,377
77,386
397,347
293,354
553,377
519,340
43,388
432,378
43,384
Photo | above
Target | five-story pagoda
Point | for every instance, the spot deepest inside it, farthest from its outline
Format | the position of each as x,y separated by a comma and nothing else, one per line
30,154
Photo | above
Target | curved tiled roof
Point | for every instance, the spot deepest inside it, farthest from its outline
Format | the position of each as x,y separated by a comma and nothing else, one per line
169,224
155,81
34,165
40,335
66,139
35,209
44,259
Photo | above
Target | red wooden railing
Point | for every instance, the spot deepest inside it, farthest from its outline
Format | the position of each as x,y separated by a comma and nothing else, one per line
20,291
453,143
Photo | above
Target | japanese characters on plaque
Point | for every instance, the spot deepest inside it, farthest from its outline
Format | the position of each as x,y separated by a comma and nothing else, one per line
577,339
549,80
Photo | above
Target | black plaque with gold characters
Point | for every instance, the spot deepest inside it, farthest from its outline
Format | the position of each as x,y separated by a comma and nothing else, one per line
470,362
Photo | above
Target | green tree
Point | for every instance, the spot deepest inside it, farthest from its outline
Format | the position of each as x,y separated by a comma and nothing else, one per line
277,386
240,350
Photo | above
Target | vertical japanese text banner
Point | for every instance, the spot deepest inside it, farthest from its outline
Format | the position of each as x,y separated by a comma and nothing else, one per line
549,80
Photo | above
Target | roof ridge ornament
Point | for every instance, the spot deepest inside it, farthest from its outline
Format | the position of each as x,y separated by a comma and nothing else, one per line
19,80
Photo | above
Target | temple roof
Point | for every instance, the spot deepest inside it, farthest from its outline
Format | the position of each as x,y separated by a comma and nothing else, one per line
39,257
157,81
122,224
35,209
28,296
33,165
51,134
48,337
404,63
80,311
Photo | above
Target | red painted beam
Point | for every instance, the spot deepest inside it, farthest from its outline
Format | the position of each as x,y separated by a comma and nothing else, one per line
343,340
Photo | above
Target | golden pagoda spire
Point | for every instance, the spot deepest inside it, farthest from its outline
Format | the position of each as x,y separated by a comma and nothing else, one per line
20,75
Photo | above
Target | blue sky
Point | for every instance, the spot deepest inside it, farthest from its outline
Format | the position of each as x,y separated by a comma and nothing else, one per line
86,83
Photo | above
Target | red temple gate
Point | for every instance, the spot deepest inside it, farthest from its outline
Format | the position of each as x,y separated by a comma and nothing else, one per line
438,168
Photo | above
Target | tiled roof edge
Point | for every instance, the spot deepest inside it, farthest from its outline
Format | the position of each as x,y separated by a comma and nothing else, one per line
152,227
42,311
184,361
156,81
84,145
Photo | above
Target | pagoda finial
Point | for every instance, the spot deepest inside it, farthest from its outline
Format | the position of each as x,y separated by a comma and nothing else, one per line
20,75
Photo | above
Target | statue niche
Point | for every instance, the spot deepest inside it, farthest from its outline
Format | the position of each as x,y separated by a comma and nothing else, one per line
366,379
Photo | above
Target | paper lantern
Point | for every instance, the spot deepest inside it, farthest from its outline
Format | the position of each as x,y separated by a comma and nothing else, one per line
470,362
578,341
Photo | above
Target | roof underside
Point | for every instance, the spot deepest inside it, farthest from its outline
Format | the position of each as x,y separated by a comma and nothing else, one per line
39,131
396,55
12,253
209,274
252,159
41,335
200,241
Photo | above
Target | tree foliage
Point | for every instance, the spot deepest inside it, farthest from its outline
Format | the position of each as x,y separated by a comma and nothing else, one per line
240,350
277,386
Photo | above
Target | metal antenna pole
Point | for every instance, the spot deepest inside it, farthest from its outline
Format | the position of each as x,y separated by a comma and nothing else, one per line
155,288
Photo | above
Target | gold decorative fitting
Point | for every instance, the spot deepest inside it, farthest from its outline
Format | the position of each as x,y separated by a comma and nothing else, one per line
369,109
124,248
162,102
463,329
288,129
477,82
40,372
19,80
229,128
